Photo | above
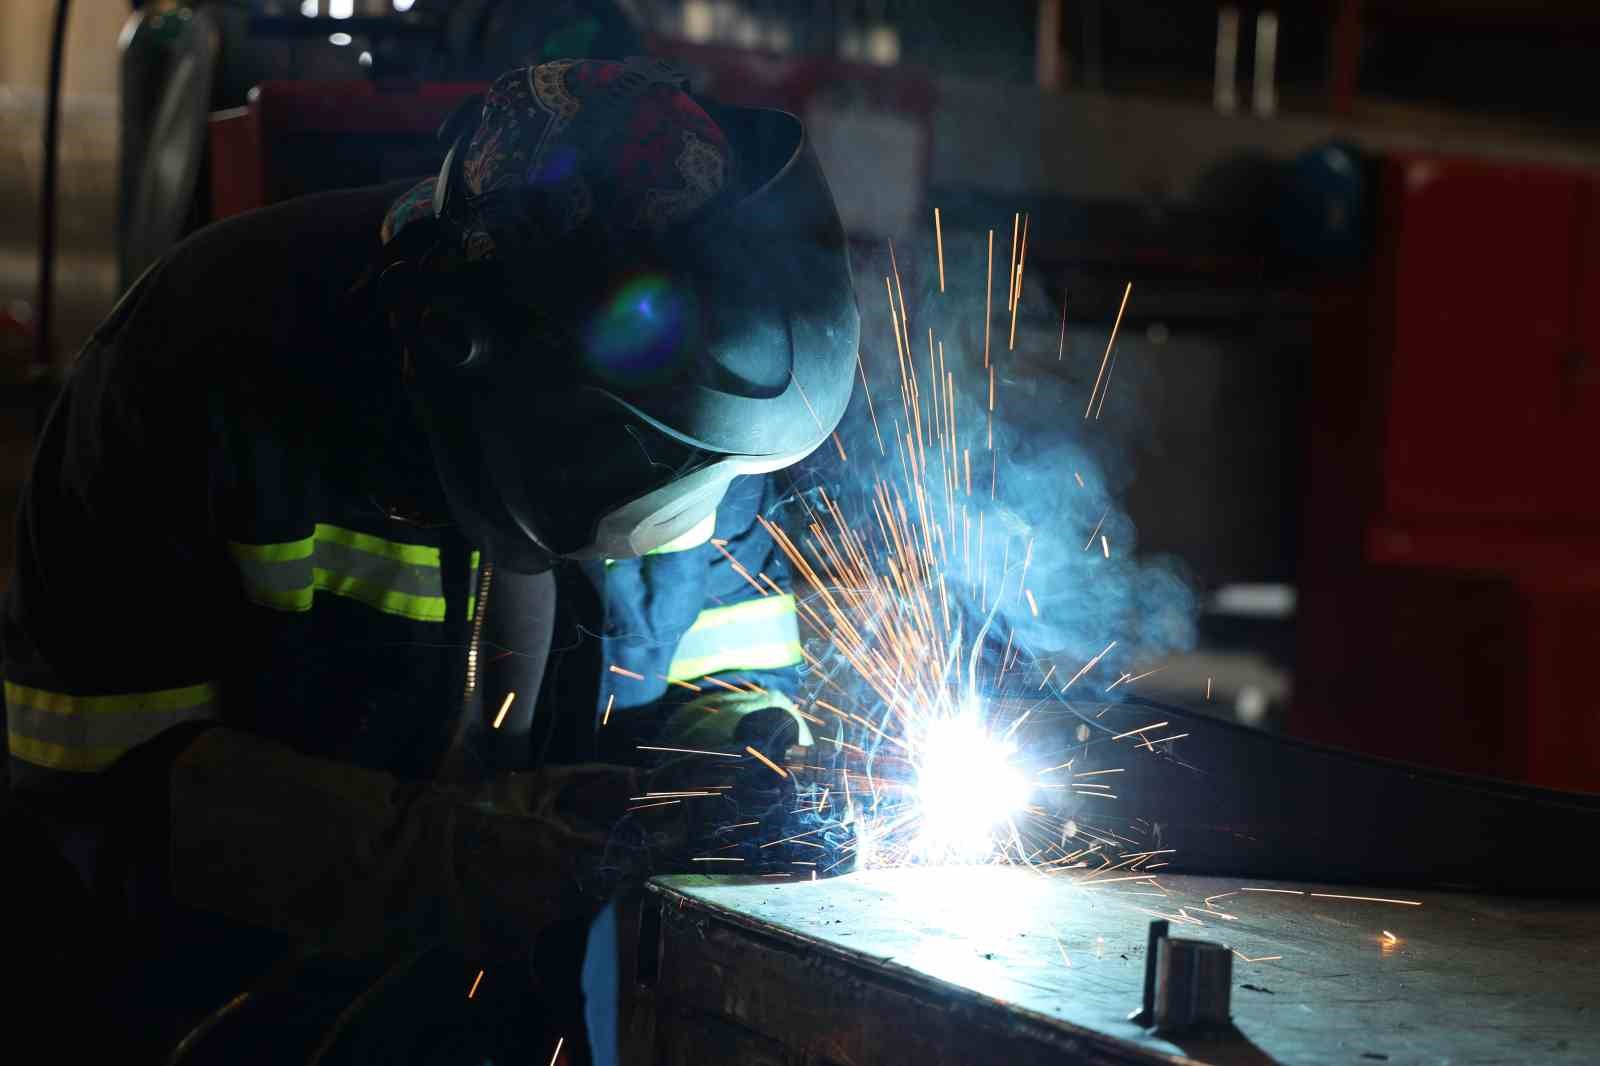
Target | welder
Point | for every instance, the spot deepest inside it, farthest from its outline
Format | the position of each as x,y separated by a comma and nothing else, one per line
374,530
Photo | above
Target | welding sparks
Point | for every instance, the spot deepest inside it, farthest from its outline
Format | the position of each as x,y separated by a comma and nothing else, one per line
774,767
504,707
474,989
988,301
557,1053
1096,530
1011,271
1061,348
665,795
1090,665
933,762
738,567
1368,899
648,806
1109,345
1016,289
691,751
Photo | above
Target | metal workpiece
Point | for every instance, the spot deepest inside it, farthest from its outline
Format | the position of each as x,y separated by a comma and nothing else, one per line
1193,984
1147,1008
1188,984
984,966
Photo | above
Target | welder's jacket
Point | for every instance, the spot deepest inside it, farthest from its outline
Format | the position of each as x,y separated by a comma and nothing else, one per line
231,517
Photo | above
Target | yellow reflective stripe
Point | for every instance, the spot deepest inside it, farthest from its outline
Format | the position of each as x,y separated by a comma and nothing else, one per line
411,554
391,574
398,579
170,699
287,551
762,657
387,600
754,635
60,731
749,612
699,534
59,756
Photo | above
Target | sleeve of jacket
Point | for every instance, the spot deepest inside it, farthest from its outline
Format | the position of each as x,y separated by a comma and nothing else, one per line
747,633
112,624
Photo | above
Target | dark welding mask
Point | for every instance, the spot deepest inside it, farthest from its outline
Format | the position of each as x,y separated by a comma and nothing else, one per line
597,404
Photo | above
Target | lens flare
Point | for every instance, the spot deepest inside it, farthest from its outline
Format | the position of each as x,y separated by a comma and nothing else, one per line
968,790
638,333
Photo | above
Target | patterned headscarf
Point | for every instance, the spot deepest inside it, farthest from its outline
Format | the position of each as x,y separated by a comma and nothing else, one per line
556,154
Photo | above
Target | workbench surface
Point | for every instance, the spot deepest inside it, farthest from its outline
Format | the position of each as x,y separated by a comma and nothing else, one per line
1046,969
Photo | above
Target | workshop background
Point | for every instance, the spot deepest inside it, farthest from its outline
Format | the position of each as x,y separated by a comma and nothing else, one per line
1362,234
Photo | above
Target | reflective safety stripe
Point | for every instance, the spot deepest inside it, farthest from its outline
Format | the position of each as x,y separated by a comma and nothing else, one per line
59,731
759,634
414,554
390,576
375,594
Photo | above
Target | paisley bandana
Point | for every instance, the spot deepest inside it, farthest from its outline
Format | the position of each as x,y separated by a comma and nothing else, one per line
557,152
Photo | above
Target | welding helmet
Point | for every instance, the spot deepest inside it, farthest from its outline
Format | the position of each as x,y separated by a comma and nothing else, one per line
623,299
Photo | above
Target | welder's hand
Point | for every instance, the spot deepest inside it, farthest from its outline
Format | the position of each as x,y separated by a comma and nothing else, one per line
690,796
772,731
762,824
814,839
739,814
728,721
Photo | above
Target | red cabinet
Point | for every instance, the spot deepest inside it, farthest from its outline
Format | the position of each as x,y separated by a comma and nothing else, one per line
1584,369
1480,388
1450,585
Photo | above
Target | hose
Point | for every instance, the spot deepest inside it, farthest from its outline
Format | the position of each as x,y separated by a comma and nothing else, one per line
354,1008
42,352
285,967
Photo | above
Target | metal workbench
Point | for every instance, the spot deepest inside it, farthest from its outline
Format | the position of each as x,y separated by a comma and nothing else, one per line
991,965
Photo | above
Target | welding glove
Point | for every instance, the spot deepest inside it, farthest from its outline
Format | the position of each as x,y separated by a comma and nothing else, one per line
359,862
728,721
758,814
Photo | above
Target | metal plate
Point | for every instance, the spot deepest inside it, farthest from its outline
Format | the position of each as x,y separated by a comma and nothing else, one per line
1000,965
